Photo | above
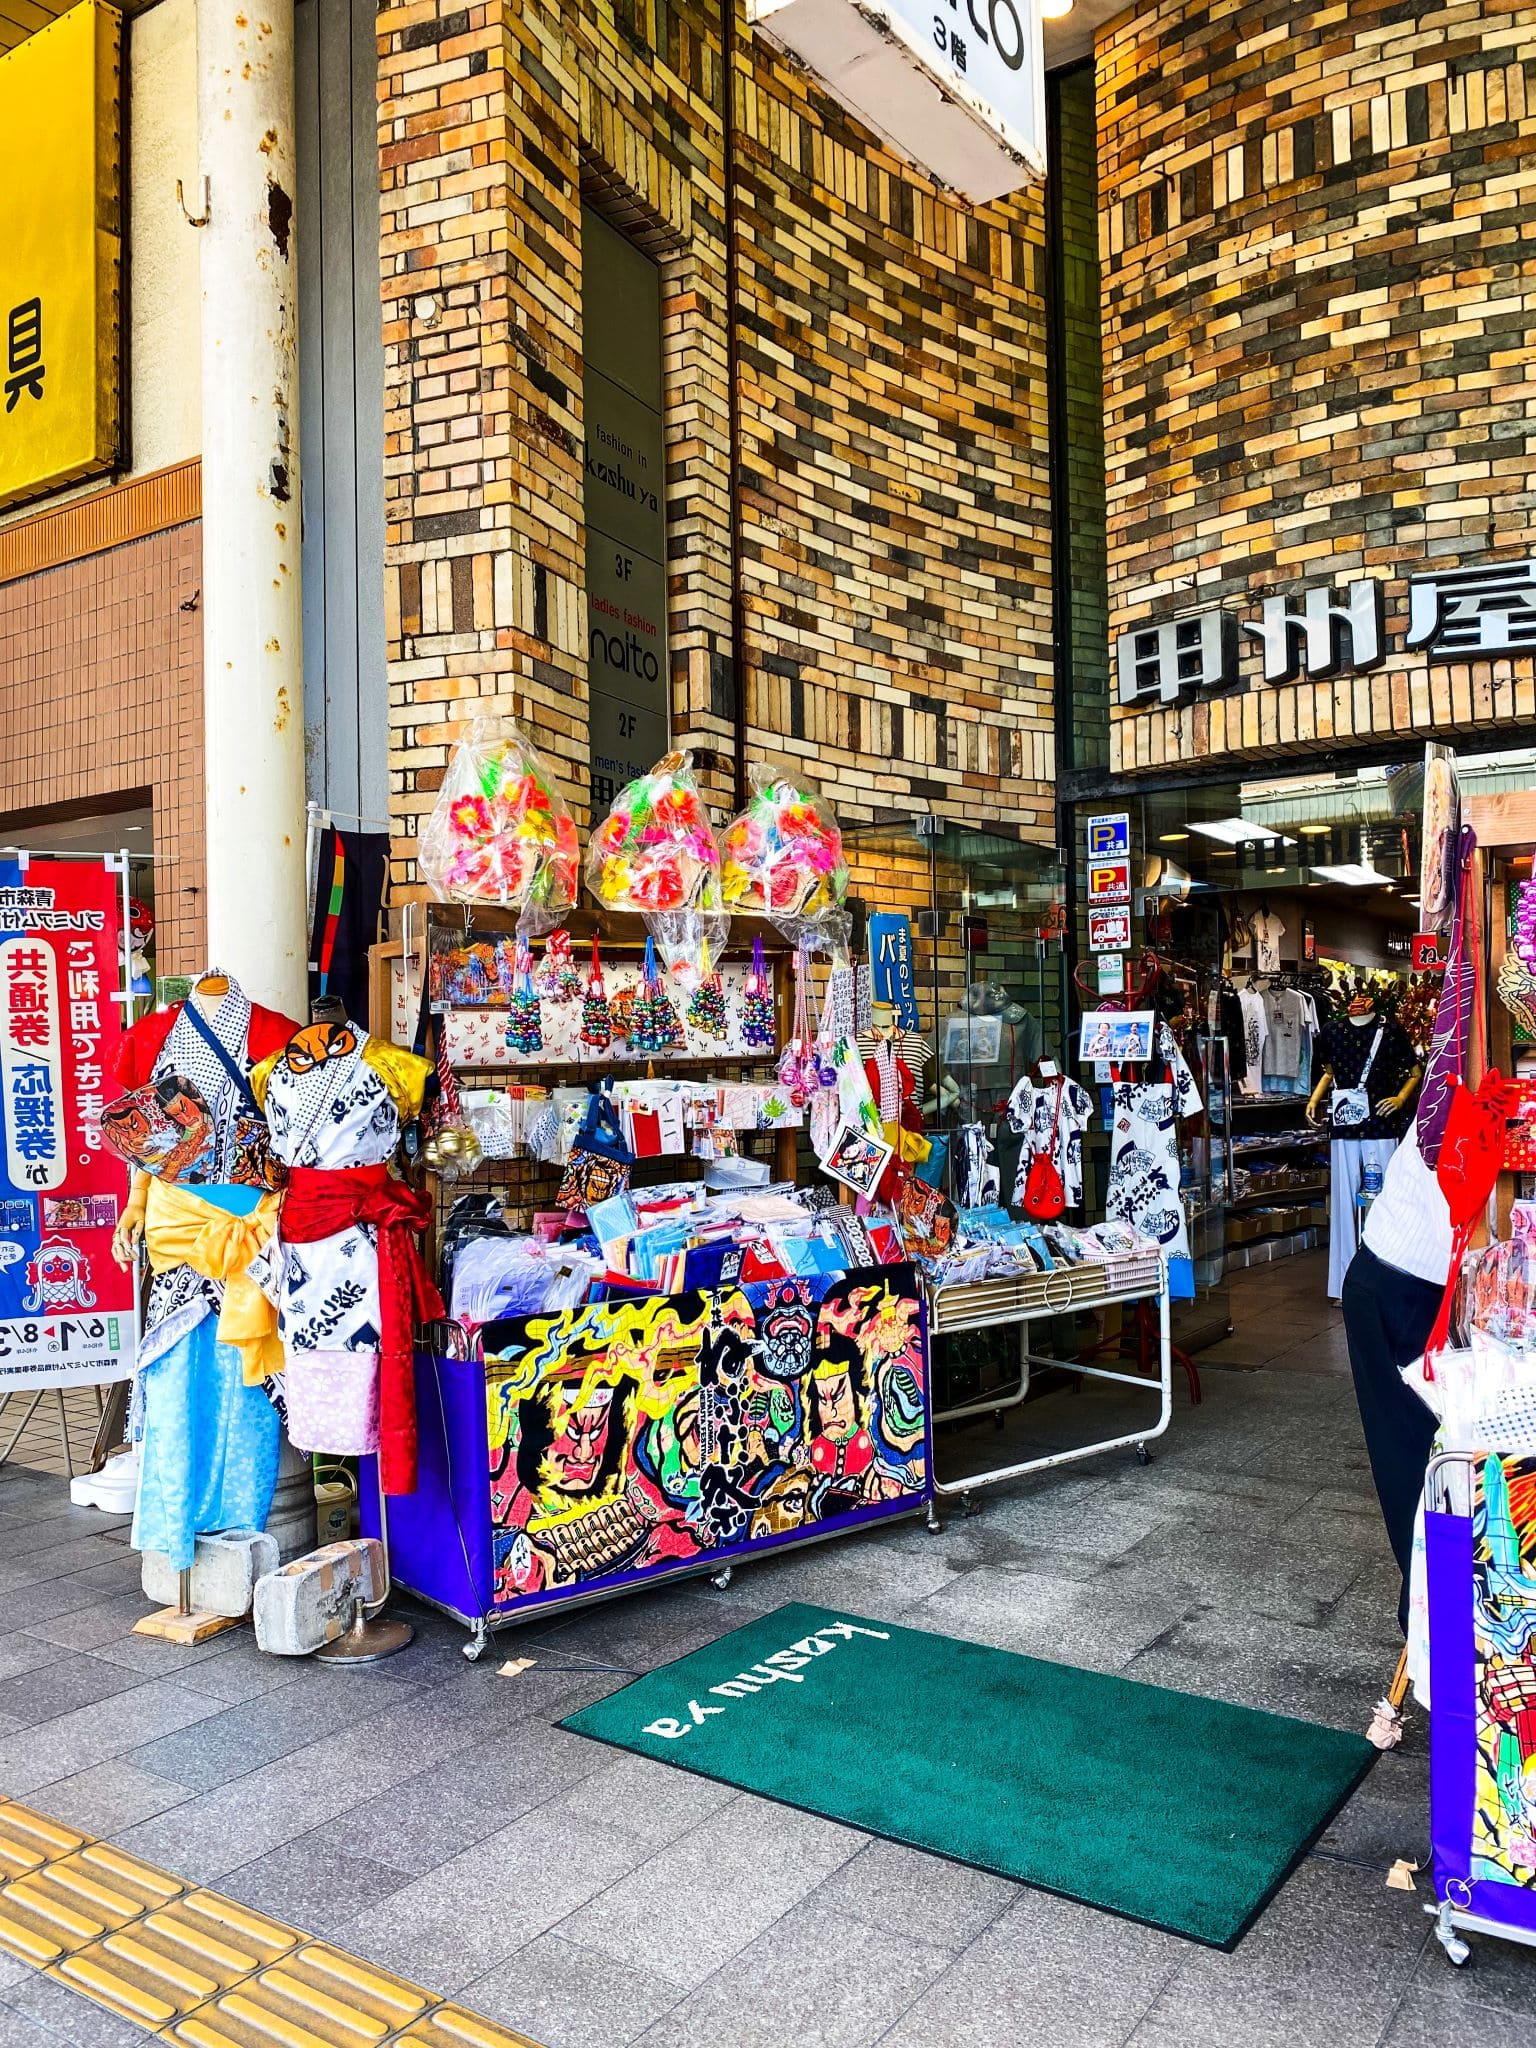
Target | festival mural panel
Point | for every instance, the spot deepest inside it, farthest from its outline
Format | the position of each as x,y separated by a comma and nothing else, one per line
633,1437
1504,1596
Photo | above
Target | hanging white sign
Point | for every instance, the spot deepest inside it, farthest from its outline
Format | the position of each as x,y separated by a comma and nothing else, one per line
957,86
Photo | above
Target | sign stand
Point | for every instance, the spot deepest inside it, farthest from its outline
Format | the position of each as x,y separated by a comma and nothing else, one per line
184,1623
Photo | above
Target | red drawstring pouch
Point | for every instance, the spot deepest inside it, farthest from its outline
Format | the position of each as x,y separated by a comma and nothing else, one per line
1471,1155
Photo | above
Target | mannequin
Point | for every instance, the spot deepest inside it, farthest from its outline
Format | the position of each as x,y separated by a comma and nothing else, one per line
210,1435
353,1285
1346,1050
893,1084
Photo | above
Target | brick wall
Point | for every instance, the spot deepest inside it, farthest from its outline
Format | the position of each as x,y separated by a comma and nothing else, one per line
111,708
1318,227
893,475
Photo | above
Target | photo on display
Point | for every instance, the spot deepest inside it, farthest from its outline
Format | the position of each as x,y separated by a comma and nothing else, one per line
972,1041
1123,1036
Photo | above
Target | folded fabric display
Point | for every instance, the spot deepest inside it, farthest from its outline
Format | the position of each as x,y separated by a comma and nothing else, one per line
501,1276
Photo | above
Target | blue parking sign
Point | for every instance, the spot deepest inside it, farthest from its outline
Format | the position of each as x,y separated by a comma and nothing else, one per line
1109,835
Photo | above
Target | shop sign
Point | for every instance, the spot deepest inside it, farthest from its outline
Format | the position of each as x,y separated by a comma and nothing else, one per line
890,966
1109,881
59,254
1109,835
67,1311
1465,614
1429,952
1111,968
1109,931
957,86
624,499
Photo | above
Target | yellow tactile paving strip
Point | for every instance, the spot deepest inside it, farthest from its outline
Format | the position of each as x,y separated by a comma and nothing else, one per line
191,1966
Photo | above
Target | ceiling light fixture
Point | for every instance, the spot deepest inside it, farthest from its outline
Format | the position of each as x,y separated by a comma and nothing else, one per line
1170,838
1312,831
1353,876
1236,831
1054,10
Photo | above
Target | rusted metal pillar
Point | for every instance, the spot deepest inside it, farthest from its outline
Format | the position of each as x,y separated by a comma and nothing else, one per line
253,679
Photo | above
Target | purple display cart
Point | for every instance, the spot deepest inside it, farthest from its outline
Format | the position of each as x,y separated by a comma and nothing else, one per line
1480,1559
602,1448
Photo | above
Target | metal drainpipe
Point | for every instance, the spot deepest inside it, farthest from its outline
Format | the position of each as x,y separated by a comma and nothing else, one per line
253,677
733,403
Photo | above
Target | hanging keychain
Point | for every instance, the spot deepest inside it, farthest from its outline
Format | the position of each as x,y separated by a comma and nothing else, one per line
706,1011
654,1026
757,1023
525,1024
558,978
596,1017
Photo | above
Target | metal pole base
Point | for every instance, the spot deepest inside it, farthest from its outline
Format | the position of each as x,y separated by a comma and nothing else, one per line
368,1641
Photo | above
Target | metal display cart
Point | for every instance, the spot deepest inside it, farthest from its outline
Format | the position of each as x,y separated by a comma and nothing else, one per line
1026,1298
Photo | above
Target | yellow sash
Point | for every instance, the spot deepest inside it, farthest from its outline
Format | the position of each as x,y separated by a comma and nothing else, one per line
181,1229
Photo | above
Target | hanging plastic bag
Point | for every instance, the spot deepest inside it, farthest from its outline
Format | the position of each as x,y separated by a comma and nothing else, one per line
500,831
782,859
655,853
558,978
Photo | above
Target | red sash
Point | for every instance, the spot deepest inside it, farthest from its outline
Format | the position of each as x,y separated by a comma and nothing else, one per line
323,1201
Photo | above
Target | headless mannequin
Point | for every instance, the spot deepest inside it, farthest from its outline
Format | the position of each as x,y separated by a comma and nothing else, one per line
1361,1014
208,991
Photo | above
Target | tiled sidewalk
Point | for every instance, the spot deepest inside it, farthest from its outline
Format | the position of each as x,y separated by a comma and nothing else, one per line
429,1816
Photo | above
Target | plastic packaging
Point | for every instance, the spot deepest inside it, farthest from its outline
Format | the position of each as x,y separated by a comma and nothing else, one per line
500,831
782,859
655,851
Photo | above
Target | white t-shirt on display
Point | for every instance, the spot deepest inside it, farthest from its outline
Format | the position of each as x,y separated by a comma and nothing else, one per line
1268,931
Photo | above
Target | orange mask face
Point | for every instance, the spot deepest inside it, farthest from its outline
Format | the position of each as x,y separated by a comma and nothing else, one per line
317,1043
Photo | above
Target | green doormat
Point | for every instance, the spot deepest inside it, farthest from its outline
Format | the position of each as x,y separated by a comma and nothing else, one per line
1186,1813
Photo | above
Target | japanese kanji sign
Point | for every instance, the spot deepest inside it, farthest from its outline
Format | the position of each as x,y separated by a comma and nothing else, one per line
1109,931
1468,613
67,1311
1109,881
59,253
890,966
1109,835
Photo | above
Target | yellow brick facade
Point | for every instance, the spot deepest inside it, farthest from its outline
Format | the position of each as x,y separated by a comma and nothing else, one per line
1318,238
894,554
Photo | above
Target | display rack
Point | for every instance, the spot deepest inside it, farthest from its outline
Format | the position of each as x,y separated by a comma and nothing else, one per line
989,1304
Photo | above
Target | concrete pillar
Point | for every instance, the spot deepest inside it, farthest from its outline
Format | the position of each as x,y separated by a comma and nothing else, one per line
253,679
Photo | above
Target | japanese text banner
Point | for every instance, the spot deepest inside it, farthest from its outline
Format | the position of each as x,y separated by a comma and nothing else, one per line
67,1311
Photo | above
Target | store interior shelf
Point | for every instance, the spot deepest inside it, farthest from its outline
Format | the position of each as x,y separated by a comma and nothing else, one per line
1282,1196
1243,1147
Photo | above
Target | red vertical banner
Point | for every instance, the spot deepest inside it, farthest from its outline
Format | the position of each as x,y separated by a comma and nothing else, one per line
68,1313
